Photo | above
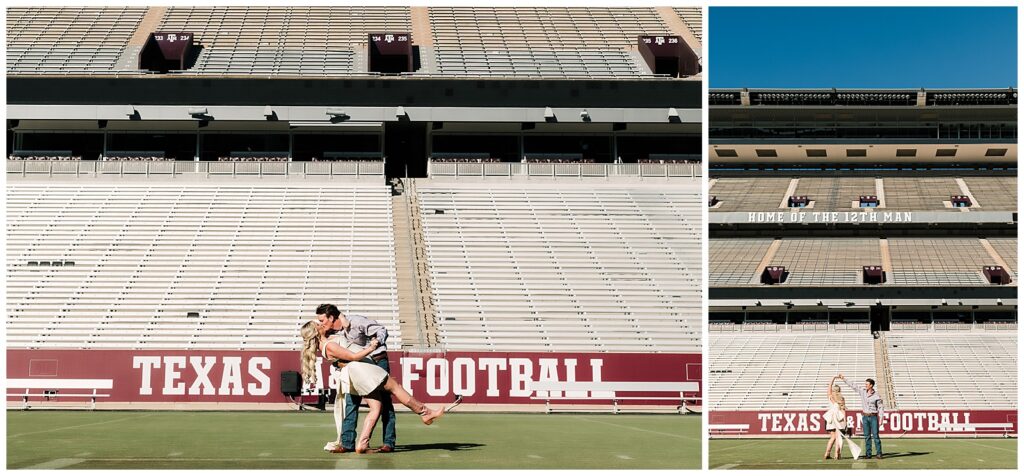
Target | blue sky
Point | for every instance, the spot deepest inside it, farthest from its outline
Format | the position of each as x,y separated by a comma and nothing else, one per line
870,47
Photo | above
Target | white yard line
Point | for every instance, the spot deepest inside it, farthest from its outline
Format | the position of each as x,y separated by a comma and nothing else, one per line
752,443
344,463
56,464
639,429
79,426
989,446
161,458
726,466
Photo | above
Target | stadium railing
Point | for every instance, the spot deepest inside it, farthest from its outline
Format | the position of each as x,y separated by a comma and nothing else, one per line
611,391
174,168
958,429
728,429
49,389
508,169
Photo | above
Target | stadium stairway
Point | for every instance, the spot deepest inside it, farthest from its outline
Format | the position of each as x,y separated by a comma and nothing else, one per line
884,371
408,317
421,31
129,59
415,307
678,27
428,311
149,24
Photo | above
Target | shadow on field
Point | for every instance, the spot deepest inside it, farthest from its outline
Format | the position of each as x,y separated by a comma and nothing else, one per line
438,446
886,456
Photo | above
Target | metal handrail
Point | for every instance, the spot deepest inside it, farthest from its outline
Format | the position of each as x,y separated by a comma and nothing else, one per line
534,169
147,168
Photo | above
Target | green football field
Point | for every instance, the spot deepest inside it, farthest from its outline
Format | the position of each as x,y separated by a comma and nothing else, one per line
283,440
900,453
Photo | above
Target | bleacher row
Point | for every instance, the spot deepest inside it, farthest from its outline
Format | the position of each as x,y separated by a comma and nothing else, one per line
752,371
608,268
993,193
948,261
68,39
192,267
954,369
930,369
319,41
166,265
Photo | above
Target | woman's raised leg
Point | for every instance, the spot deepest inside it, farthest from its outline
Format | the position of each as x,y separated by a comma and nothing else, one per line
426,413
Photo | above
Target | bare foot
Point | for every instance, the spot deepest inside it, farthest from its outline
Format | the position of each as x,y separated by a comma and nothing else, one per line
429,416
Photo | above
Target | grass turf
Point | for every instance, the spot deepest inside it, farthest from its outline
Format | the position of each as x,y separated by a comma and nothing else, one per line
900,453
280,440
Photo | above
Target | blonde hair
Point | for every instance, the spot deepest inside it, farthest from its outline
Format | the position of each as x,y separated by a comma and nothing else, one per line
837,395
310,346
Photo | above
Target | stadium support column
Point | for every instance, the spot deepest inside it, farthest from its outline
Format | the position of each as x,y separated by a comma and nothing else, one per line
615,147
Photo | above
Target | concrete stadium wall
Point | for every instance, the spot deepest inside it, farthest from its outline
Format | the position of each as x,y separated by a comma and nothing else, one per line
355,92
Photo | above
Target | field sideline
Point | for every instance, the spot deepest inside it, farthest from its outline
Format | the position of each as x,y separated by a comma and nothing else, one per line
900,453
293,440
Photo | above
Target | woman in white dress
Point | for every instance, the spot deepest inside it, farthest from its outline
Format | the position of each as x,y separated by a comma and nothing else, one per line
835,420
358,378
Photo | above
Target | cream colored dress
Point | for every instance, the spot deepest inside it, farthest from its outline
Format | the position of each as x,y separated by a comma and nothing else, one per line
356,378
835,417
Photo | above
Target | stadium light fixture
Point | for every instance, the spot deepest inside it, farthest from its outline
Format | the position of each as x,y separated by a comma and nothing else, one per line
337,114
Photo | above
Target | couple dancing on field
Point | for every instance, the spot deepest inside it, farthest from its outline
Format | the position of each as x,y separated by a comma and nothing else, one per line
358,347
836,425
